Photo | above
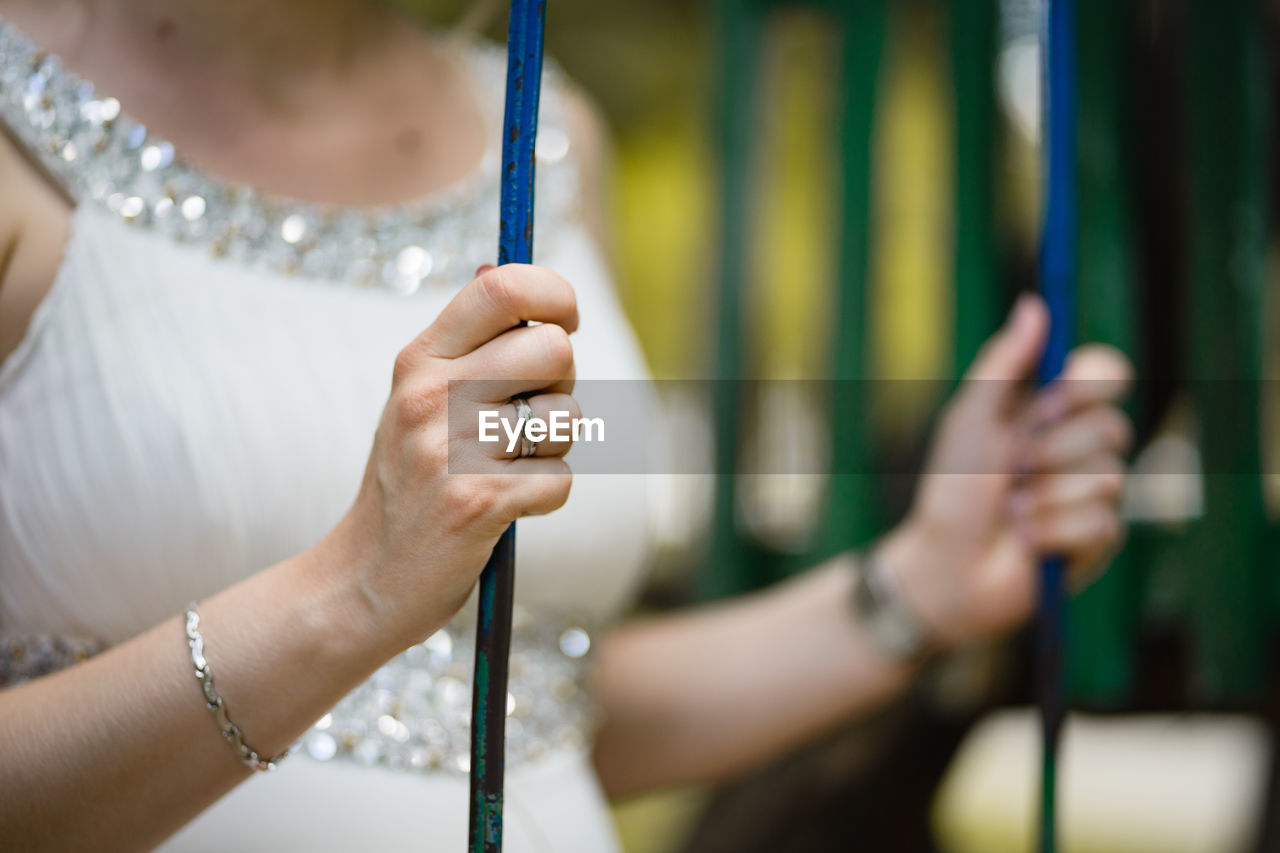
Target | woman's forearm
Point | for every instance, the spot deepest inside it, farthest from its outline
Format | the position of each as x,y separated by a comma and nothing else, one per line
698,697
122,746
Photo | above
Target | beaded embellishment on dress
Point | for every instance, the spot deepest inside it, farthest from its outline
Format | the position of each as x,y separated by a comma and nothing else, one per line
415,712
25,658
103,156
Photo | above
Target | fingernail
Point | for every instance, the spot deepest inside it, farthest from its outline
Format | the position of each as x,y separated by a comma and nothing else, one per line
482,269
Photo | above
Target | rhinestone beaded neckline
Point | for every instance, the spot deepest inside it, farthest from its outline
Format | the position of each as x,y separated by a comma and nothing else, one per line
104,157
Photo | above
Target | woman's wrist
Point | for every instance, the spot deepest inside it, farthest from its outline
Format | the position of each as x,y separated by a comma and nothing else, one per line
339,570
922,576
883,613
348,571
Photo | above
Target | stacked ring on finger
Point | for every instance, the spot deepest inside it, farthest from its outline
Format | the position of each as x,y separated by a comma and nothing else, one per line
541,409
524,412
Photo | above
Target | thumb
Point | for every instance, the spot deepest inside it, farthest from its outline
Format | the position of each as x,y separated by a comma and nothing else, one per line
1009,356
1012,353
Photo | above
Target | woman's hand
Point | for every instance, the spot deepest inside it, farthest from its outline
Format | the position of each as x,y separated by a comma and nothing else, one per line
434,499
1014,475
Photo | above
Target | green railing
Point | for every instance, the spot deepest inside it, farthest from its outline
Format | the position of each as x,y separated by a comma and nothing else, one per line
1211,577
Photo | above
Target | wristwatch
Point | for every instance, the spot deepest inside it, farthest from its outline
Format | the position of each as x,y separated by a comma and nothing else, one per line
883,613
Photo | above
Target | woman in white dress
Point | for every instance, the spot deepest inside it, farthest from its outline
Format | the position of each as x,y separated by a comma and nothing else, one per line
223,224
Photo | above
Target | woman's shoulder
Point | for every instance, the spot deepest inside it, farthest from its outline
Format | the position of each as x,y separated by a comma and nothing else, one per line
566,105
34,221
572,129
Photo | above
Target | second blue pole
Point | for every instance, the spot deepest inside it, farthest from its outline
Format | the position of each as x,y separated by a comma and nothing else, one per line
1057,263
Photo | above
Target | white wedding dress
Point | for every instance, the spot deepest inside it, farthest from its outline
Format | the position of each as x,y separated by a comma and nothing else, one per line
195,400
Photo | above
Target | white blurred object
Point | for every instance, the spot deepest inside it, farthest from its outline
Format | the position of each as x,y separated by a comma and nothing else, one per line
782,480
1018,75
1019,85
1165,484
1132,784
681,493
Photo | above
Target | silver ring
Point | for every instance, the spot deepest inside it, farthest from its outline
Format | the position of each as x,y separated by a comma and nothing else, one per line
524,412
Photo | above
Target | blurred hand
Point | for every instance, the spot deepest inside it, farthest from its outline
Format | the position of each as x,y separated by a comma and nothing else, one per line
433,503
1014,475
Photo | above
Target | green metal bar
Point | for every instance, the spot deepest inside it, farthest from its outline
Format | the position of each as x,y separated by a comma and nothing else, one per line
853,513
731,566
978,291
1230,585
1104,618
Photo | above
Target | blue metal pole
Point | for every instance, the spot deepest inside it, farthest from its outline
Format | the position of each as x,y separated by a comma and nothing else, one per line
1057,280
497,582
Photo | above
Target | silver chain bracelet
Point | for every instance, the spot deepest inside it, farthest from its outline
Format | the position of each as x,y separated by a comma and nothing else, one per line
204,674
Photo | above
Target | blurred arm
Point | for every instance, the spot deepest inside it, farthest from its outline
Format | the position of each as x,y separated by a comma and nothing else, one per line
701,696
698,698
